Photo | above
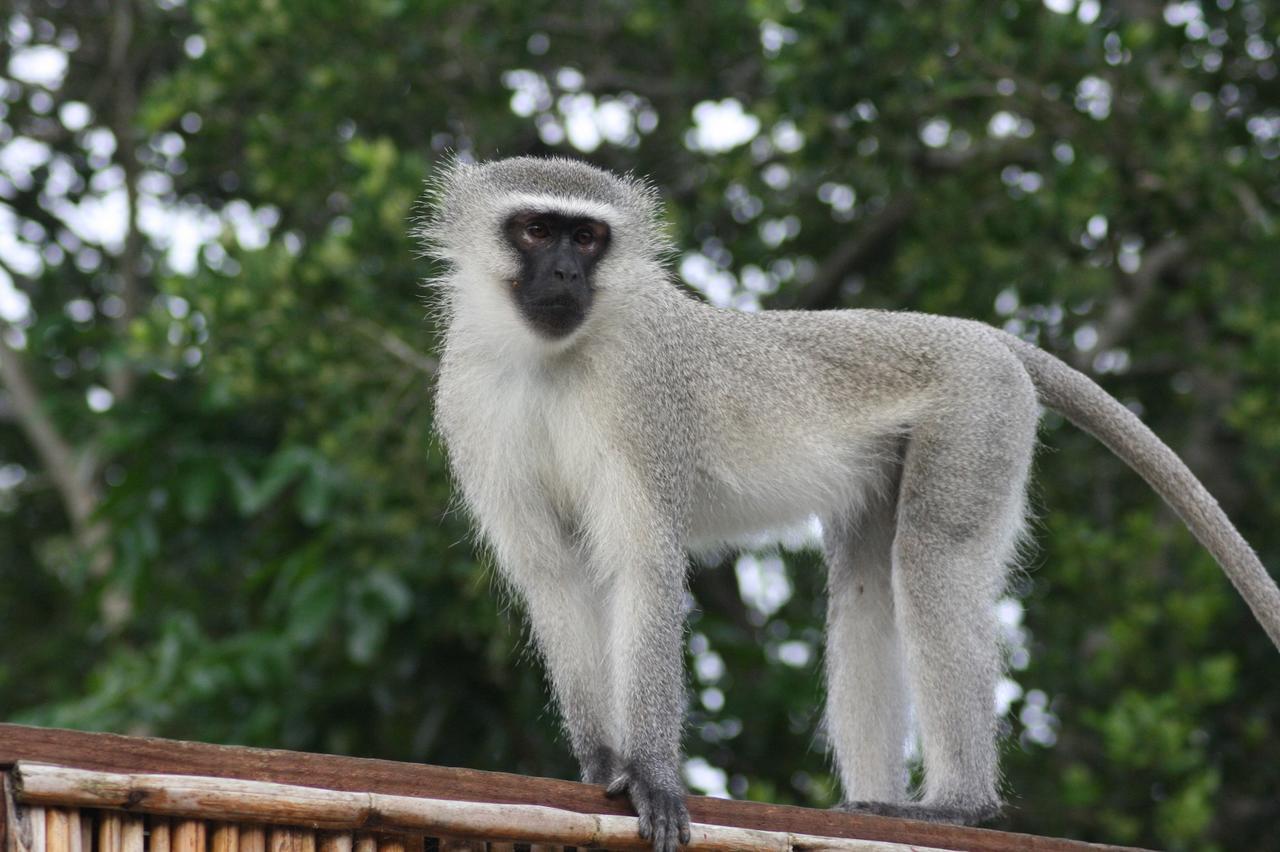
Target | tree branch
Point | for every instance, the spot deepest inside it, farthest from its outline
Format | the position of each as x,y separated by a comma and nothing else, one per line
1123,309
873,239
389,342
72,473
122,71
1252,206
856,252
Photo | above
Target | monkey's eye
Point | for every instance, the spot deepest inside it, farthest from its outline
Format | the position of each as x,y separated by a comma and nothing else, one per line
584,236
537,230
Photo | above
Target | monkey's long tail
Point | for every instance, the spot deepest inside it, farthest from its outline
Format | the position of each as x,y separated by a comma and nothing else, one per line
1079,399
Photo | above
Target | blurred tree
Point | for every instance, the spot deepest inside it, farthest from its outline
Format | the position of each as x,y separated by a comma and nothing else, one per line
223,515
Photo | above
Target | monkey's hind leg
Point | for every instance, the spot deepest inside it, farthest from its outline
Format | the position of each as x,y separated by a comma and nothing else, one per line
866,685
960,512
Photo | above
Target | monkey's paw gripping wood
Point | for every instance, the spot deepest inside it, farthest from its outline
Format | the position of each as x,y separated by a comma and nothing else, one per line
66,791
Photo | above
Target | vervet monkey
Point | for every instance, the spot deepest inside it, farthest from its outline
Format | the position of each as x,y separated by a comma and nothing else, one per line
601,423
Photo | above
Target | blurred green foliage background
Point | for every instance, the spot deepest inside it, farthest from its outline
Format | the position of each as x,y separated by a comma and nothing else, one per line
223,513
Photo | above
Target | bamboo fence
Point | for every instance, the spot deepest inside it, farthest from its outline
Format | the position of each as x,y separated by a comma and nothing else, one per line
73,792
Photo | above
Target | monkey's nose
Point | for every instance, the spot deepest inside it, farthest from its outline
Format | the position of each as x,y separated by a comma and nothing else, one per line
565,274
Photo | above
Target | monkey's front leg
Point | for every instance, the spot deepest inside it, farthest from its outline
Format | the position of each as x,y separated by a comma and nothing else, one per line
565,607
646,628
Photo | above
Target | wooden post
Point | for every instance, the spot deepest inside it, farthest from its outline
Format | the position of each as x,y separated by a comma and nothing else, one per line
24,826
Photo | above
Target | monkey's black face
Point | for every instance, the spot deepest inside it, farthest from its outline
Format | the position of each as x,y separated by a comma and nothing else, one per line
558,256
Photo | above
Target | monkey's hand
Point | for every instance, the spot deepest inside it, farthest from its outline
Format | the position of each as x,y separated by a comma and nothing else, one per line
659,804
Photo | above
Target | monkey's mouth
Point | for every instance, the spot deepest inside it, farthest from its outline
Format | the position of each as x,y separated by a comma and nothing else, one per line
555,315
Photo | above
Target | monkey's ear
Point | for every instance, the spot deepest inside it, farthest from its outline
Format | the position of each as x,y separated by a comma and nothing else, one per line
443,191
445,182
455,169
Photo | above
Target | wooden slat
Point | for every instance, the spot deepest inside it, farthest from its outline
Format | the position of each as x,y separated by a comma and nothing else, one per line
366,843
253,838
57,830
285,840
225,837
335,841
133,834
110,832
115,753
161,834
82,826
188,836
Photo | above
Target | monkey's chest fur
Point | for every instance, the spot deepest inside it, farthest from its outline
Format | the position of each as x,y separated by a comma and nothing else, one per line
522,439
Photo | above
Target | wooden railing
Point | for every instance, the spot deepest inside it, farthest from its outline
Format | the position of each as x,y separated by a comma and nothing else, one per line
69,791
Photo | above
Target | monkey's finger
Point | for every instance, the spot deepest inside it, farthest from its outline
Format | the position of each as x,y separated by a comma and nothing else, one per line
641,800
667,843
659,840
662,838
645,822
675,819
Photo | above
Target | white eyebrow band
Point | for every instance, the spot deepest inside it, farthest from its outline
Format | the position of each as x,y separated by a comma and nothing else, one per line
544,203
